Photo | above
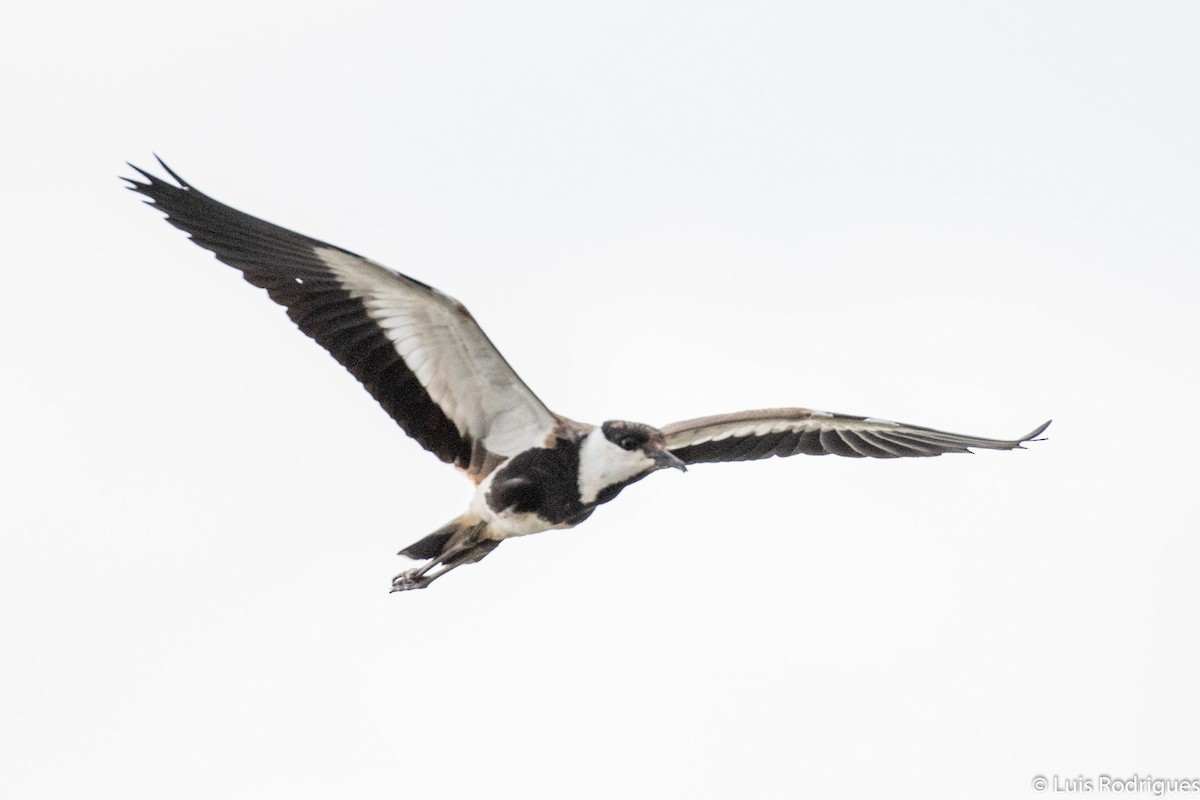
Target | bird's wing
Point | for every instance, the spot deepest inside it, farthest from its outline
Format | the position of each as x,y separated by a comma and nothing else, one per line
417,351
750,435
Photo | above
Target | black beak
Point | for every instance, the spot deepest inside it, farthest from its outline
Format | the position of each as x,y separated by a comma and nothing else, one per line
665,458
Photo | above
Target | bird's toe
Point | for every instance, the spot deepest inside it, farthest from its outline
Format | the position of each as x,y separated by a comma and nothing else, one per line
408,580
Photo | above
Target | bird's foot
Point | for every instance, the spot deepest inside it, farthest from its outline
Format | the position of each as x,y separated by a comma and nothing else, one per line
410,579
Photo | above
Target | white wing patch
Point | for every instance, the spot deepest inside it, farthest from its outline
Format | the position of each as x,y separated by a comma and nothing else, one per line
449,355
721,429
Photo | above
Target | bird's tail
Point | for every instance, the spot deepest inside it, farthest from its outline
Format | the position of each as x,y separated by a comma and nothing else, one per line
433,544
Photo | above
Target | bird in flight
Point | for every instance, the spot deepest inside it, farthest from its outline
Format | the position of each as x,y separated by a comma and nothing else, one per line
423,357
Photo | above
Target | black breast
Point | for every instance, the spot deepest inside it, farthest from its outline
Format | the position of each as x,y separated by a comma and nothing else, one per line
544,481
609,492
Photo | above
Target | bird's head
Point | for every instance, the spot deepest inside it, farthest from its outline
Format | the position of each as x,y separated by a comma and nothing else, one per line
642,442
619,453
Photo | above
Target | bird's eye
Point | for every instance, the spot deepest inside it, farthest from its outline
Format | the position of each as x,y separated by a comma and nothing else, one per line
629,443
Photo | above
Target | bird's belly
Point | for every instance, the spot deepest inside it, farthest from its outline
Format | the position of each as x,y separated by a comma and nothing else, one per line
506,525
509,522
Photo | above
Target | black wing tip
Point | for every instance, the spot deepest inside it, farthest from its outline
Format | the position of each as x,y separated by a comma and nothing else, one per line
172,172
149,178
152,181
1000,444
1033,435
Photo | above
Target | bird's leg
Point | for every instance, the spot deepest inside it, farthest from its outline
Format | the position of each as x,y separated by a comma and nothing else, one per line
421,577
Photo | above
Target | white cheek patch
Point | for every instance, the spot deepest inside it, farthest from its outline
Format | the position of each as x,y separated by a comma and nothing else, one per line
602,464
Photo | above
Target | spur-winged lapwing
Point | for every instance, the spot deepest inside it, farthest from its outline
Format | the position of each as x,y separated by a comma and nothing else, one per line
425,360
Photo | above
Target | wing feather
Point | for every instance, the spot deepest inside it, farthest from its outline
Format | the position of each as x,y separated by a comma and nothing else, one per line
418,352
749,435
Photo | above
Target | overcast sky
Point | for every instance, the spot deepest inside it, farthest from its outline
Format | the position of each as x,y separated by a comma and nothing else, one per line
968,216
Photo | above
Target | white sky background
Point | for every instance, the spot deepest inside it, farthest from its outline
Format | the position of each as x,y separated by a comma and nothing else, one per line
969,216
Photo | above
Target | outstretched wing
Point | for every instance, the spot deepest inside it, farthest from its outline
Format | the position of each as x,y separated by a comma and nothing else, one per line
417,351
750,435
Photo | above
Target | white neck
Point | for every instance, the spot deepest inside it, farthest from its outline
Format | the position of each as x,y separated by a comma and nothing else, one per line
602,464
